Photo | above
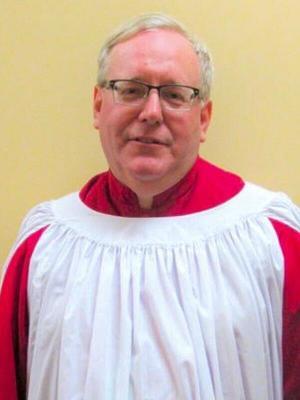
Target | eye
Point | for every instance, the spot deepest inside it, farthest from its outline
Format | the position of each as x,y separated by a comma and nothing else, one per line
174,95
130,90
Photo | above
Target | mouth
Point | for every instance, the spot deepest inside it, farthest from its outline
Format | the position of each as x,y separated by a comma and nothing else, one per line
147,140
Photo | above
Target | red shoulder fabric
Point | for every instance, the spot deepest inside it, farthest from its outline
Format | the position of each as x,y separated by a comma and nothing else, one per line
289,240
14,322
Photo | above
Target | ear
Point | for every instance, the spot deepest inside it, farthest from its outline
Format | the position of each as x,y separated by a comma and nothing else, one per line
205,117
97,104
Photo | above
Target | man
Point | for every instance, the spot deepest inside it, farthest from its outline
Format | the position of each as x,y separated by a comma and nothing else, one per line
165,278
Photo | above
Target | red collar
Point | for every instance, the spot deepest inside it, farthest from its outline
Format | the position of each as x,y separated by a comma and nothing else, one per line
203,187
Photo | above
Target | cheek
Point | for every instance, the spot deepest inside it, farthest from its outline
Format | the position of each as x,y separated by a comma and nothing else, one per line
186,131
115,121
111,137
187,139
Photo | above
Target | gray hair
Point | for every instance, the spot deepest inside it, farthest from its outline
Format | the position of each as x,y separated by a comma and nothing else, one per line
157,21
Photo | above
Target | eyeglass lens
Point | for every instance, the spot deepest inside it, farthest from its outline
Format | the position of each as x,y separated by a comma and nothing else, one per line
131,92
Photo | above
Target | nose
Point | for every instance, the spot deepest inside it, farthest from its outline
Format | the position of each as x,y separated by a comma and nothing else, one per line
151,111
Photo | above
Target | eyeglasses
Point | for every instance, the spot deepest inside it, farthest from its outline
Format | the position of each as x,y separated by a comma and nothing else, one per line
135,93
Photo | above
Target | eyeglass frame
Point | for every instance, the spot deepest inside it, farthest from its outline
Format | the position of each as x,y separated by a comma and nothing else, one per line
110,84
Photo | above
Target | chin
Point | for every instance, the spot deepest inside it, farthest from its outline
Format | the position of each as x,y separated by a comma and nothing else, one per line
146,176
149,170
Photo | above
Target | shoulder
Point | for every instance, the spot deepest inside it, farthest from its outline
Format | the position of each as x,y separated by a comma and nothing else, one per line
38,219
34,224
276,206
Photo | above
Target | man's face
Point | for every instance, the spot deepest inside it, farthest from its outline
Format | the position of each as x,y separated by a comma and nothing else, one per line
148,146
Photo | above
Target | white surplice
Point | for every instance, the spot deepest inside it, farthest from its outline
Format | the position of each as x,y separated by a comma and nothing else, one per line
169,308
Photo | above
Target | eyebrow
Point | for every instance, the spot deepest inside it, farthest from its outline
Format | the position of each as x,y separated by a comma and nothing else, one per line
169,82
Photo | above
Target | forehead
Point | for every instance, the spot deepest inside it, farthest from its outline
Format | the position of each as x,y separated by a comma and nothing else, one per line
156,55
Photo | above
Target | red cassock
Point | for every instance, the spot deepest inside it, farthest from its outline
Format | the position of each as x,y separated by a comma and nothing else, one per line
195,299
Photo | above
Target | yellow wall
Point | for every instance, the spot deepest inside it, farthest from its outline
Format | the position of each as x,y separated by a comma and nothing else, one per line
48,55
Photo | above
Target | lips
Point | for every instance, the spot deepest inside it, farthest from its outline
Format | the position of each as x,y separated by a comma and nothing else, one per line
148,140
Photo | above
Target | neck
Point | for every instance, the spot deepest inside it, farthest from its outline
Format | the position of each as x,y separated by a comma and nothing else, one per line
147,189
145,202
